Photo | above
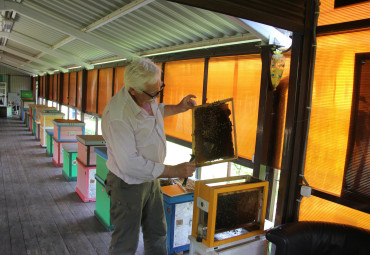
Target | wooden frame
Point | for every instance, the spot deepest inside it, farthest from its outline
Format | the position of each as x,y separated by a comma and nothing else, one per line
198,164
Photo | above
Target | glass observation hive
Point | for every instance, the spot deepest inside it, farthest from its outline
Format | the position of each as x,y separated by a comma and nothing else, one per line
214,135
229,209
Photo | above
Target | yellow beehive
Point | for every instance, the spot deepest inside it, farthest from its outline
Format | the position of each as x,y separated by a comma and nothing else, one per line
229,209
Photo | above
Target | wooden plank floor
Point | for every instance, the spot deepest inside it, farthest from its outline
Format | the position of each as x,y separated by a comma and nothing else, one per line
40,212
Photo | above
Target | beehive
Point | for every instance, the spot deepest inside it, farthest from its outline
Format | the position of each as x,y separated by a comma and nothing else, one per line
229,209
86,145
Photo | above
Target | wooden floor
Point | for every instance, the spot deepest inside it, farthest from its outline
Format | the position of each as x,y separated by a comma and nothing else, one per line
40,212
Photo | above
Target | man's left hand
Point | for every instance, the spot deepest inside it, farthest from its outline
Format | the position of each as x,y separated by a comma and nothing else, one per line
187,103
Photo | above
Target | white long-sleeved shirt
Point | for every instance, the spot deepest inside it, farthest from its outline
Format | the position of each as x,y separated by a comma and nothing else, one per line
135,140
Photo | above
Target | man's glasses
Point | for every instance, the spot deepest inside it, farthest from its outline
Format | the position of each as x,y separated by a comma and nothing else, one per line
157,93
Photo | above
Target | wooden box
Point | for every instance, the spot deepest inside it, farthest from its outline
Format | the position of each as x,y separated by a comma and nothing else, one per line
47,117
49,141
66,130
38,109
214,135
229,209
179,217
86,182
69,161
86,145
58,151
101,159
102,205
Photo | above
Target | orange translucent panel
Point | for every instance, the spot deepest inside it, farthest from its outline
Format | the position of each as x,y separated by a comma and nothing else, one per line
182,78
92,78
331,109
238,77
56,87
329,15
118,78
50,86
105,88
72,89
79,90
65,88
318,209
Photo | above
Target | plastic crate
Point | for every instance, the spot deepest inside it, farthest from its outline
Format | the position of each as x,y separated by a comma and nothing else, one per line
103,205
69,161
86,183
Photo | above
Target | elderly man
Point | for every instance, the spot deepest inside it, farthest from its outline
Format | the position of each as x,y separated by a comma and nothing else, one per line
133,129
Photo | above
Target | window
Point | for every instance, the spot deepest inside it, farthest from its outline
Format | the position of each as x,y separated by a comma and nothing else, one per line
90,124
99,127
78,115
72,113
64,110
50,103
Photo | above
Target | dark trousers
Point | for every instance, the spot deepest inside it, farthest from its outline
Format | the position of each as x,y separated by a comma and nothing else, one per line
135,205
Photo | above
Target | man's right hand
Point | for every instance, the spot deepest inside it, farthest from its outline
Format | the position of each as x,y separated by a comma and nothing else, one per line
182,170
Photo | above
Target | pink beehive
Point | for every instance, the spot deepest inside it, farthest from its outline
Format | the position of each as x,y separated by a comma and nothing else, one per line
58,152
86,145
66,130
86,183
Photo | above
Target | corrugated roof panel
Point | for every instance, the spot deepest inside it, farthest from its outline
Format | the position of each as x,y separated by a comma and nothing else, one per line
85,51
37,31
54,60
21,48
10,70
80,13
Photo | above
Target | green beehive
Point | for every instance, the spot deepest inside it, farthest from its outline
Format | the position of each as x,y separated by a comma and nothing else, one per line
49,142
101,158
102,205
70,161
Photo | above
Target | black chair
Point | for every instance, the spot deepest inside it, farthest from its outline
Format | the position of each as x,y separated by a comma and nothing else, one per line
319,238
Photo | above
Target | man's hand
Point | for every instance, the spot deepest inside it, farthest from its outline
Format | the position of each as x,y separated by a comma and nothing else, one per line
182,170
187,103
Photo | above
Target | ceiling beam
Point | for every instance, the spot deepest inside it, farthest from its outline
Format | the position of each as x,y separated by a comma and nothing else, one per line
33,59
66,29
23,63
32,43
108,18
25,68
116,14
16,68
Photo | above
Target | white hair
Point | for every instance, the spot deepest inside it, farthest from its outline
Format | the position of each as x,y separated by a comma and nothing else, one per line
139,73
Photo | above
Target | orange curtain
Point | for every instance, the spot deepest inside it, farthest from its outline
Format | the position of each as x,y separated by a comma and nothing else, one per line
238,77
330,116
72,89
182,78
118,78
92,78
56,87
105,88
79,90
51,86
65,88
329,15
317,209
